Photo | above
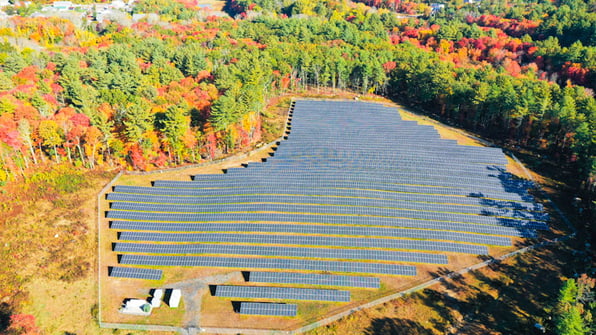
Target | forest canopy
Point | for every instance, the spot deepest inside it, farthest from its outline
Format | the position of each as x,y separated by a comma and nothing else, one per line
193,86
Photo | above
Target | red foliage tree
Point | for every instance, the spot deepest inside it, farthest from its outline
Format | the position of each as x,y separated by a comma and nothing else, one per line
23,324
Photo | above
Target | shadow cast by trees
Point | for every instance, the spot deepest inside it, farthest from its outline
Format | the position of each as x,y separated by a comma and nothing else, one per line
454,282
391,326
523,214
5,312
507,297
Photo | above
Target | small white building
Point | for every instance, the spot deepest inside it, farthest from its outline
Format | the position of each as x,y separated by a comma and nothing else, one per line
174,300
136,307
156,299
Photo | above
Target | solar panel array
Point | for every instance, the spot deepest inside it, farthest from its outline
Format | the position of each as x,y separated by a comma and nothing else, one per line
313,279
267,308
135,273
285,293
269,263
353,189
256,250
328,241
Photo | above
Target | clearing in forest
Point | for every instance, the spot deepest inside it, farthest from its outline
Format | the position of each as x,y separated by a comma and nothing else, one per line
354,204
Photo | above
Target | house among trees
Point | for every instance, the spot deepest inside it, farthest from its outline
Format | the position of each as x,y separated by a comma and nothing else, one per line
435,7
62,5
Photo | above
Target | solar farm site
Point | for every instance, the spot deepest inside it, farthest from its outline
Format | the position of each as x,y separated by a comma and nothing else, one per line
354,204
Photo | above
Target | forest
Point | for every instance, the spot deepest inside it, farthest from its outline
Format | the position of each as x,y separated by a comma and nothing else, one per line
193,87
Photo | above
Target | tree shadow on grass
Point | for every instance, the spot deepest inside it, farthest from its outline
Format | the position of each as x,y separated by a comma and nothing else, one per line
521,291
442,304
454,280
391,326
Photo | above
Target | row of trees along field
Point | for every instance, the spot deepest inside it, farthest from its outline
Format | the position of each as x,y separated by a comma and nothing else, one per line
154,95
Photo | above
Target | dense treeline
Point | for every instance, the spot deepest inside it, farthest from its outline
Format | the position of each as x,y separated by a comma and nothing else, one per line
152,95
575,307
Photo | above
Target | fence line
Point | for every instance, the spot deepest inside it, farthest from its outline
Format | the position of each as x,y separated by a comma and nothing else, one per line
99,195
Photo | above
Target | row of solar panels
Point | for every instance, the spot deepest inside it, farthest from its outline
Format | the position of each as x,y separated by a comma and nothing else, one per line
322,214
429,153
252,250
454,161
173,196
407,129
360,215
312,279
305,240
264,277
266,308
329,223
330,185
492,186
327,201
424,139
134,273
260,226
487,176
286,293
422,220
394,169
268,263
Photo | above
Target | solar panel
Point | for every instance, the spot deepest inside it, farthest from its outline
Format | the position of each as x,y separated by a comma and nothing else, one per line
330,241
313,279
286,293
329,253
135,273
358,197
269,263
317,213
320,191
267,308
